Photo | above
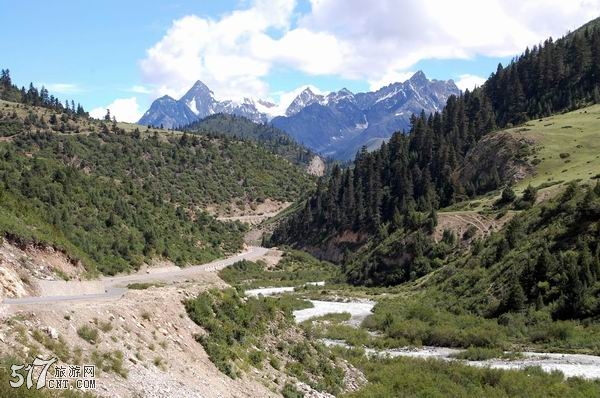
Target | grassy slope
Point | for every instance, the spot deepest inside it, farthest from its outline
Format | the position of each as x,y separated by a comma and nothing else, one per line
85,125
574,133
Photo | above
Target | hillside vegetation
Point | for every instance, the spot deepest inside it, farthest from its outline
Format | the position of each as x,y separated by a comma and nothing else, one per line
533,285
271,138
260,332
387,205
114,199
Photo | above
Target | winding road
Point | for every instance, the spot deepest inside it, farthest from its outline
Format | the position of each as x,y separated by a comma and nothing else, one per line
114,287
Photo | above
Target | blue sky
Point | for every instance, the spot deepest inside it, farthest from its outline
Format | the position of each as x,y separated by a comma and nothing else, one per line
123,54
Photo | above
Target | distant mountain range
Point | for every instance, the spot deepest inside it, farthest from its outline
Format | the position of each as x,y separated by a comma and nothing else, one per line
336,125
198,103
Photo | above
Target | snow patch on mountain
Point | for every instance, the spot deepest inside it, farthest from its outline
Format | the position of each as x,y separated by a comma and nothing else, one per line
192,105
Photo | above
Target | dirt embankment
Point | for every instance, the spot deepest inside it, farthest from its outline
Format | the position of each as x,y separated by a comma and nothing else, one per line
249,213
161,357
333,250
22,266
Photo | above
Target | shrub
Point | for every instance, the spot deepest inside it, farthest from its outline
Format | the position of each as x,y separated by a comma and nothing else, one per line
88,333
256,358
109,361
470,232
508,196
290,391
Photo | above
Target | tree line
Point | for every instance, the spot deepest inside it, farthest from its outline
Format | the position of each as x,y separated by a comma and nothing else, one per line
36,97
401,185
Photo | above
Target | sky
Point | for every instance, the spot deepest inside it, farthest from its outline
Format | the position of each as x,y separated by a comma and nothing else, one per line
122,55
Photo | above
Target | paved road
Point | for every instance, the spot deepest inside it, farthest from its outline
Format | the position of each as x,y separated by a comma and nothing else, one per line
114,287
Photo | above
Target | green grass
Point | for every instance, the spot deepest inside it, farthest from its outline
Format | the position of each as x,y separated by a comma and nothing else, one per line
409,377
567,146
294,269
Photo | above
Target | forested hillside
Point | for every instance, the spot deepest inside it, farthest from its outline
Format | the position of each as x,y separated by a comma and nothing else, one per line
242,128
391,195
114,199
547,258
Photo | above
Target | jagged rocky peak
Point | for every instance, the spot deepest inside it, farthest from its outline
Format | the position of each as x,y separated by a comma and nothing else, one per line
200,102
343,94
200,99
342,122
304,99
199,88
419,78
165,98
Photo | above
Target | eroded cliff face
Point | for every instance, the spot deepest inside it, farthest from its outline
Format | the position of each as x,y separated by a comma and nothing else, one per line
501,156
334,249
316,167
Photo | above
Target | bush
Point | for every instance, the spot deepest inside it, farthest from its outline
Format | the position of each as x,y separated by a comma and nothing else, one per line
237,326
109,361
469,233
434,378
290,391
256,358
88,333
508,196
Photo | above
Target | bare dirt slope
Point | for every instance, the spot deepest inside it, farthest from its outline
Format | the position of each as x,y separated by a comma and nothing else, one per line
143,337
249,213
22,268
149,327
481,225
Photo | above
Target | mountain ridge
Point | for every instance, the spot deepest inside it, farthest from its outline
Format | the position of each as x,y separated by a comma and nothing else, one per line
340,123
336,124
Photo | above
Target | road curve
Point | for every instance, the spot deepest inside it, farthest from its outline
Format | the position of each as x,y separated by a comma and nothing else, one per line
114,287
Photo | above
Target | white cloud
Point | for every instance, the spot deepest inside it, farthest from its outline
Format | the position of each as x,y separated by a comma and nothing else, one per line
123,109
467,81
62,88
220,53
283,99
388,37
140,89
388,78
378,42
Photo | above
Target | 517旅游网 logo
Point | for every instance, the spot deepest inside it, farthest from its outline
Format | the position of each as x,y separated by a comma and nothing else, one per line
66,377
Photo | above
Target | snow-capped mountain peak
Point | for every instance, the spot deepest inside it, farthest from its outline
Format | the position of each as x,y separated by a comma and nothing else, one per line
343,94
343,122
304,99
200,99
336,124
